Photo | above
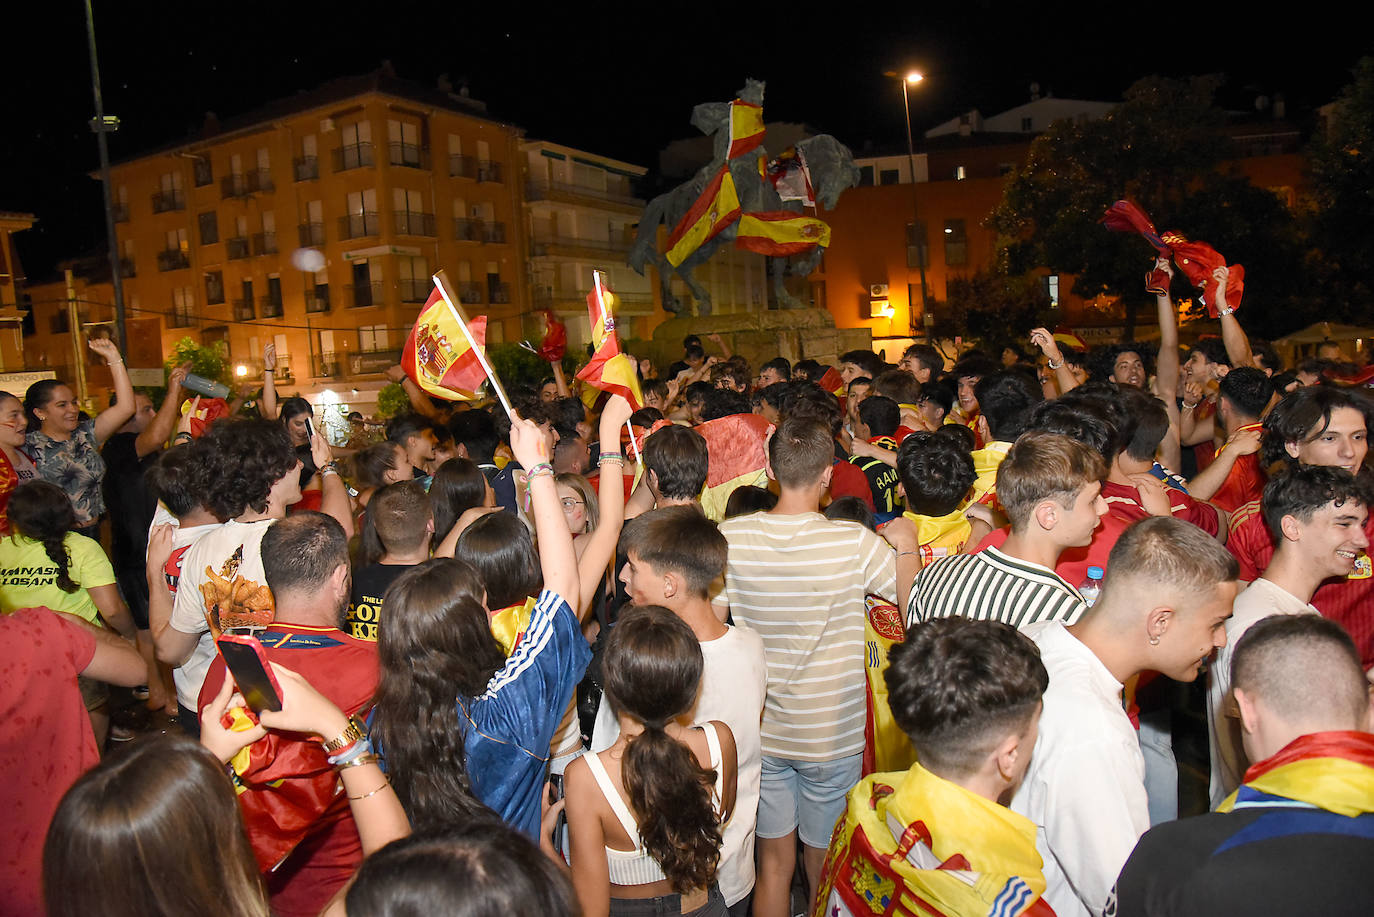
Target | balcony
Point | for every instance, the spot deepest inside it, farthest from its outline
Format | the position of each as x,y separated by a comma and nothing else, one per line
243,310
460,166
237,248
408,154
166,201
494,232
173,259
470,293
465,230
353,156
488,170
317,300
179,318
410,223
305,168
362,295
360,225
555,245
362,362
311,234
563,192
260,182
415,290
500,292
126,268
264,243
120,211
327,365
269,307
235,185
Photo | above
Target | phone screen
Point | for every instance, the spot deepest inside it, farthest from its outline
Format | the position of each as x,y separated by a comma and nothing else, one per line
254,682
309,428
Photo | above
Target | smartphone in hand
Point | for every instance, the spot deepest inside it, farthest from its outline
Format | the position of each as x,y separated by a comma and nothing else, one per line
247,662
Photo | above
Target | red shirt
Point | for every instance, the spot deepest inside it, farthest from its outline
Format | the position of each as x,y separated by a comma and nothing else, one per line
1074,562
849,481
46,742
293,806
1349,601
1244,482
1123,501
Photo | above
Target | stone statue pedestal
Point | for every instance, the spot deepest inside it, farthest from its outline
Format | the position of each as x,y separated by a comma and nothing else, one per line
797,334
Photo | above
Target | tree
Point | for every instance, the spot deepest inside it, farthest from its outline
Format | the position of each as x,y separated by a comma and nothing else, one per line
995,308
1163,148
1342,174
207,360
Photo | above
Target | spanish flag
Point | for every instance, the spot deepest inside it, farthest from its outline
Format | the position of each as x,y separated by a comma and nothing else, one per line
746,127
736,457
715,209
781,232
1066,338
440,357
833,382
609,369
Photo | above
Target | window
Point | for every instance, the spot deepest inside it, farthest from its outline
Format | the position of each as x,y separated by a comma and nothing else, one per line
183,303
956,244
365,291
1026,124
415,279
404,144
1051,287
209,227
271,303
917,252
361,219
214,287
890,177
356,146
204,172
409,209
960,173
317,297
866,177
372,338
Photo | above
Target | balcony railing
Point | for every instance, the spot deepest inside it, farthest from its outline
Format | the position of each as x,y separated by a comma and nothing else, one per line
121,213
234,185
164,201
264,243
327,365
360,225
488,170
415,290
553,244
544,190
361,295
243,310
179,318
408,154
353,156
494,232
173,259
317,300
465,230
311,234
361,362
500,292
305,168
126,267
470,293
237,248
460,166
268,307
410,223
260,181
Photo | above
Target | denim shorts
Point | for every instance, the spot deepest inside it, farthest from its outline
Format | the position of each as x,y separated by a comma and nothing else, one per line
815,790
668,906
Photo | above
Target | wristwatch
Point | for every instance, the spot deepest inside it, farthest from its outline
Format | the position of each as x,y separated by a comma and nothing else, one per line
352,734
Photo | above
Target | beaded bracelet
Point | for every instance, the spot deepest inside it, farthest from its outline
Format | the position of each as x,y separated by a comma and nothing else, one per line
1054,365
612,457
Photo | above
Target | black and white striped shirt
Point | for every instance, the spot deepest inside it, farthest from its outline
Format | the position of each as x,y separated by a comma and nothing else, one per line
991,586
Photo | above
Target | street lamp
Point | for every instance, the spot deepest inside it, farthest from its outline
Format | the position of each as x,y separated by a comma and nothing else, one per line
912,78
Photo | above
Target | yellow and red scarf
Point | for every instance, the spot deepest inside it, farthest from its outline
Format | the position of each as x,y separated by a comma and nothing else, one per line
1330,770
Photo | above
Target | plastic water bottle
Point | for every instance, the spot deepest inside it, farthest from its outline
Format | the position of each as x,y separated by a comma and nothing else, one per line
206,387
1091,587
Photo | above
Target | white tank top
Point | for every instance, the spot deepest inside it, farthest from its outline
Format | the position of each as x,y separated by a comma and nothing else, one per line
637,866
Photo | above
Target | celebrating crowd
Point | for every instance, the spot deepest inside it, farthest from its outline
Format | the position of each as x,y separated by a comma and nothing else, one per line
852,639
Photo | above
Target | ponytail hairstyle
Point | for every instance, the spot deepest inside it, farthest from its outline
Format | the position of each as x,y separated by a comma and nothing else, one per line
41,511
38,396
652,671
434,642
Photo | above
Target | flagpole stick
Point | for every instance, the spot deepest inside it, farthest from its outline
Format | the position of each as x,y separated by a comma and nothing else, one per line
441,283
634,446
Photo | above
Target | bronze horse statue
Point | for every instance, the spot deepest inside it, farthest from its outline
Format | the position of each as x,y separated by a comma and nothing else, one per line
831,171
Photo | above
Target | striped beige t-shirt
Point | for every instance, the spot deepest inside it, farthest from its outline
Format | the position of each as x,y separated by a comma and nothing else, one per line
800,582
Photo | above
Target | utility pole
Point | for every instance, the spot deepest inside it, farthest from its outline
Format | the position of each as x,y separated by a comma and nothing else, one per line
103,124
74,328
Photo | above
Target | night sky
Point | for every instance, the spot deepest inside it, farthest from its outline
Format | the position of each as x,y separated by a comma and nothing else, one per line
618,80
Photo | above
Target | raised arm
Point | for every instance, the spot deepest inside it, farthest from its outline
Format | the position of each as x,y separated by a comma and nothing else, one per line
1166,370
559,379
1063,376
334,500
155,435
418,399
172,646
600,545
117,414
556,556
1232,334
268,407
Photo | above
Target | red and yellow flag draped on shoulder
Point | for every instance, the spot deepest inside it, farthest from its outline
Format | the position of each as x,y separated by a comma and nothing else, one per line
440,357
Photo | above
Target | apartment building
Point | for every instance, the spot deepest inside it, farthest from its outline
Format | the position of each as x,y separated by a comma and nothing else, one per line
11,276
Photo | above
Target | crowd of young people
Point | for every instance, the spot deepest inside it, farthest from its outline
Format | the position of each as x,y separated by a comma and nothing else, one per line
850,639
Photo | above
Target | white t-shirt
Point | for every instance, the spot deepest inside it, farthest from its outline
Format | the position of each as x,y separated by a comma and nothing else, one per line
231,553
1085,789
733,681
1257,601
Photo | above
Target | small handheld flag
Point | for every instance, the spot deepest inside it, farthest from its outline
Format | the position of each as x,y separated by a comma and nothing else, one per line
609,370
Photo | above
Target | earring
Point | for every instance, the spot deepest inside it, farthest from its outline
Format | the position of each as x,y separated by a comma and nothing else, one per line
1154,641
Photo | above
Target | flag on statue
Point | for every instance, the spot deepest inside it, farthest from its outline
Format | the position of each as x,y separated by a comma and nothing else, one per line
440,357
716,208
609,369
778,233
746,128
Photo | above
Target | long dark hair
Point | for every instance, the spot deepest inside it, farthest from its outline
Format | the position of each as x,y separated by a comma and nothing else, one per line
483,868
41,511
456,487
652,673
434,642
153,831
39,395
499,548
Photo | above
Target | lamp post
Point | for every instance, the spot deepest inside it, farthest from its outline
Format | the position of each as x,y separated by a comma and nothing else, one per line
103,124
911,79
